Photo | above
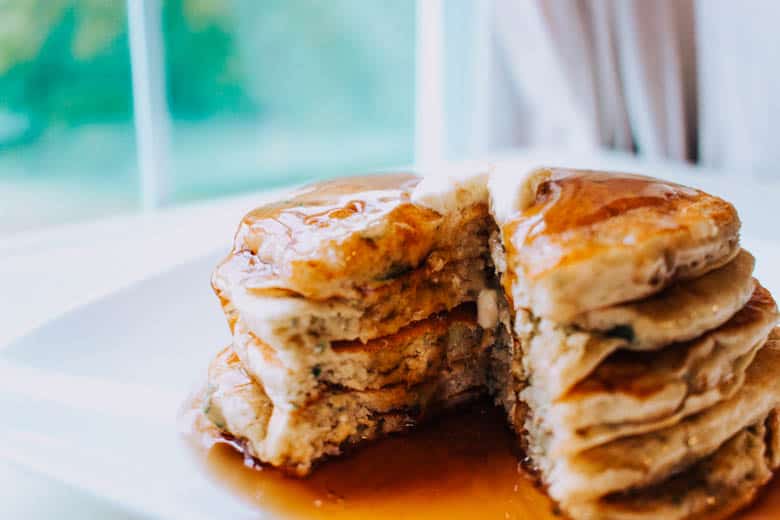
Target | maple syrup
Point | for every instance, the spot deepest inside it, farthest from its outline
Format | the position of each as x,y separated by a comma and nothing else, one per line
564,221
462,465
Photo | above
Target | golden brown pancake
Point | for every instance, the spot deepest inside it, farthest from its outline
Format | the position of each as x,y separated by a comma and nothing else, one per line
714,488
634,392
284,320
681,312
644,460
351,259
560,355
581,240
341,238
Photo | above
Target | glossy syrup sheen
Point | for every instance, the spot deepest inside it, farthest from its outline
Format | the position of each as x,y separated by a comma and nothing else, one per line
579,200
572,199
332,236
326,206
462,466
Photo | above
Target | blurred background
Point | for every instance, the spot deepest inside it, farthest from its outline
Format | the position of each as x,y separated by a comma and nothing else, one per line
234,95
111,107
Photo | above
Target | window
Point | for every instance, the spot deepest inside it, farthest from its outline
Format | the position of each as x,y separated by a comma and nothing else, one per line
228,96
66,136
284,92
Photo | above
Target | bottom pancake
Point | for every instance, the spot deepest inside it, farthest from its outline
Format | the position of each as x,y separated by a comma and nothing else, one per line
293,438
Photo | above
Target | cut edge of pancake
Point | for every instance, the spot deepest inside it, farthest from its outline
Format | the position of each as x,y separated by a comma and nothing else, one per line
660,387
649,458
294,438
680,312
289,323
716,487
412,354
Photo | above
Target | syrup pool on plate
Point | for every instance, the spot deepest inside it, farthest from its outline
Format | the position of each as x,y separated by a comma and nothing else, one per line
462,465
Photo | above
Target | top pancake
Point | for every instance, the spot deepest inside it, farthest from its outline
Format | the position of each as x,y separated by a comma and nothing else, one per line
338,238
577,240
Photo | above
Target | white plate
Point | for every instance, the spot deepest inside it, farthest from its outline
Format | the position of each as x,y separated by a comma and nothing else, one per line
91,398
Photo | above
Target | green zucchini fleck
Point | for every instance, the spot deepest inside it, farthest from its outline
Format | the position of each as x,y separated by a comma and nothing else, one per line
396,270
625,332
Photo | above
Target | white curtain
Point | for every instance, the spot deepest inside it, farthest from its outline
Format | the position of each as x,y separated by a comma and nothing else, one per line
692,80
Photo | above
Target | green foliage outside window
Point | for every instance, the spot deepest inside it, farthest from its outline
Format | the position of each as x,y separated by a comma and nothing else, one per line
67,61
260,93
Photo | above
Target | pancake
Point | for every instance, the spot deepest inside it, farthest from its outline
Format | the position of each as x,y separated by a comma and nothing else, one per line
352,258
294,438
331,238
578,240
683,311
413,354
565,354
635,392
292,322
650,458
713,488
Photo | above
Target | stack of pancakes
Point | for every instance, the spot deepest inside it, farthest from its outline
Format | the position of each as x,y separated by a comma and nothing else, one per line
353,315
636,373
614,317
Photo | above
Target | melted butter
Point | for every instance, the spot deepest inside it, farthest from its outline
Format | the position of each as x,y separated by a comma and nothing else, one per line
575,200
462,466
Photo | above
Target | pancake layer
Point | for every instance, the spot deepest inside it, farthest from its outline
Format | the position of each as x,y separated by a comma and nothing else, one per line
714,488
351,259
416,352
580,240
295,437
634,392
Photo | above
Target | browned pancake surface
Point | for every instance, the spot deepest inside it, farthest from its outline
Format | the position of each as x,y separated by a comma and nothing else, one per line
577,213
358,229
